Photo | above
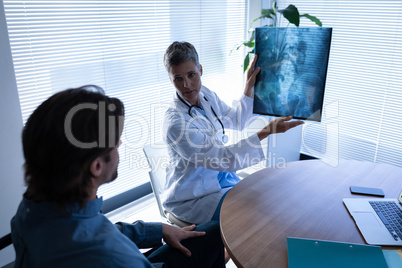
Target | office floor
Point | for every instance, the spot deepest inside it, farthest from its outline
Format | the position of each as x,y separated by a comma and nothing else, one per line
145,209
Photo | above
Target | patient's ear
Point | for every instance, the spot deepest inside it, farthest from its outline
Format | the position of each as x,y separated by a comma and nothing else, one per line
96,167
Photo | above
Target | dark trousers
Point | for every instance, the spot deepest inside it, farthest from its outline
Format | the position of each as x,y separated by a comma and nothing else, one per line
206,251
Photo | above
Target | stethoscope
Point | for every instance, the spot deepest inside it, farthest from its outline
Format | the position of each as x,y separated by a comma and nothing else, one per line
225,137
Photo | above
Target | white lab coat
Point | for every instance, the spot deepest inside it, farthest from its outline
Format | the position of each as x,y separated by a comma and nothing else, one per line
197,154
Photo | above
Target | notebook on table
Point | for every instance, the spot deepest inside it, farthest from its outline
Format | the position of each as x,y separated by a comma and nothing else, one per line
309,253
379,220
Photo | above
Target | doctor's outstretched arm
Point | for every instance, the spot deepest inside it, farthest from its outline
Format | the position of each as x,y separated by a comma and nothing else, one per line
279,125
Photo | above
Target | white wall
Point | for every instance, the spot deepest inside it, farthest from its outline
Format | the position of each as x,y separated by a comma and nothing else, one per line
254,11
11,157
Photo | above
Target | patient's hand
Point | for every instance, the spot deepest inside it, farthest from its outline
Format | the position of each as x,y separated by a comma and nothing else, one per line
174,235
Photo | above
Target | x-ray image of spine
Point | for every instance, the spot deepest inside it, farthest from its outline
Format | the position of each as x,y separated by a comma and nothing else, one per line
293,65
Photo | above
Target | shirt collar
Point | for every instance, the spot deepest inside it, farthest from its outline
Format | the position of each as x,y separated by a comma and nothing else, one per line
52,210
177,101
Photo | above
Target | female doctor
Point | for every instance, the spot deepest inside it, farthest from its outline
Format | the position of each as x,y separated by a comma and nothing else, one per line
202,168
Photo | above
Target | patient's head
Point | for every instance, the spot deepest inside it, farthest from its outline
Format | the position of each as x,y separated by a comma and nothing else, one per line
63,136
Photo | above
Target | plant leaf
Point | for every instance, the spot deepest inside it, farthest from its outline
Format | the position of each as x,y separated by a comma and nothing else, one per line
267,12
291,14
246,62
249,44
263,17
275,9
252,37
313,19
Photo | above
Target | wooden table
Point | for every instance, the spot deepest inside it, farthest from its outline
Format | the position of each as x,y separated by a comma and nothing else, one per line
304,199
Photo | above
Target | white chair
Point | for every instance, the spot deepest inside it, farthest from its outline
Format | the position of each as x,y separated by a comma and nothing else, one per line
157,156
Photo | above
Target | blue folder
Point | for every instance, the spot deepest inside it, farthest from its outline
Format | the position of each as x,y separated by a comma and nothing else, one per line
303,253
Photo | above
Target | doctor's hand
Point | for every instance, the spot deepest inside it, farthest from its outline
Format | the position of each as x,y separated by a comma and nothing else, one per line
279,125
174,235
251,78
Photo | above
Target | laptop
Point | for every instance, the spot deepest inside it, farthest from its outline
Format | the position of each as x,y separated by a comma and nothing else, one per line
372,217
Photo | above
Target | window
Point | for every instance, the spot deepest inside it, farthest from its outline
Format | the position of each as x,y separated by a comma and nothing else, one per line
119,45
363,95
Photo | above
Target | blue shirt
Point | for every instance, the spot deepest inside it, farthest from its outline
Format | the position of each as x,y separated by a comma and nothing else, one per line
44,236
227,179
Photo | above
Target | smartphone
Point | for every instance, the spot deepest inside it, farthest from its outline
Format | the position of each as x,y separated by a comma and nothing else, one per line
366,191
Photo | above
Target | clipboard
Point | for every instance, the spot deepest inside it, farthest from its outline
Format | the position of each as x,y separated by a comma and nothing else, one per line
303,253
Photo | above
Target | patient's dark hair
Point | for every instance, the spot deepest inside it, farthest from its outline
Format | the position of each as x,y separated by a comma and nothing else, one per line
179,52
62,137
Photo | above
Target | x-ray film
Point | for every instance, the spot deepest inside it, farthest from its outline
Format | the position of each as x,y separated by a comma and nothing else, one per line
294,62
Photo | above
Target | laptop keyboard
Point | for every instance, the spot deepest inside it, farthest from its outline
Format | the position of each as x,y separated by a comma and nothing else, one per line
391,216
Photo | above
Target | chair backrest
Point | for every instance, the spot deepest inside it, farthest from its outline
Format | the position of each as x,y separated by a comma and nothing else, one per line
157,156
5,241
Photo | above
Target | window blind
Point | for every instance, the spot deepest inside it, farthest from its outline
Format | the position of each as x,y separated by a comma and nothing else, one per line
119,45
363,94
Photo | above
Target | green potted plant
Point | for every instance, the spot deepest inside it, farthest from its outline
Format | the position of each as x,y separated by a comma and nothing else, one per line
291,14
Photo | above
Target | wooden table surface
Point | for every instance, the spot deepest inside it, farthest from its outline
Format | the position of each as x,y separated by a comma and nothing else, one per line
304,199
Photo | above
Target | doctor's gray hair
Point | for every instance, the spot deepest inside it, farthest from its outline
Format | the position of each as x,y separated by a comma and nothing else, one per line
179,52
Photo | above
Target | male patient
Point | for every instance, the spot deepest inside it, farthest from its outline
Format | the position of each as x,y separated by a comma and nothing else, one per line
70,147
